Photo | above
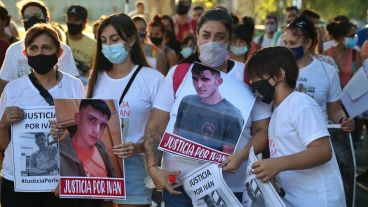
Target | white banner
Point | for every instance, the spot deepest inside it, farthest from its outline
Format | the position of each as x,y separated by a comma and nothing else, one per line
258,193
36,167
206,187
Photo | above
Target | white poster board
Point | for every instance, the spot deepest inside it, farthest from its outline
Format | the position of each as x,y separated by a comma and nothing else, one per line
206,187
258,193
36,167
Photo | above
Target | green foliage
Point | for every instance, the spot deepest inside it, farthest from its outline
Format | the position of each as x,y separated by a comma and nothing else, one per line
264,7
355,9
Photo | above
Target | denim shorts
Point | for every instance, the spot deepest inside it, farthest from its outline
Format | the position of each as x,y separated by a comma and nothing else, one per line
135,182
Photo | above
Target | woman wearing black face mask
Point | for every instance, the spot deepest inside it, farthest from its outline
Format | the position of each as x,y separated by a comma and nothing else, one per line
42,48
316,78
156,31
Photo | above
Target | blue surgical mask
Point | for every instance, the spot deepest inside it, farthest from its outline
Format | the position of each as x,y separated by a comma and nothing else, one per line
298,52
351,42
115,53
186,52
239,50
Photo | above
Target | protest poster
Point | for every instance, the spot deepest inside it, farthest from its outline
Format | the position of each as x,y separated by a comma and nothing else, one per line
355,94
35,153
258,193
207,117
88,168
342,144
206,187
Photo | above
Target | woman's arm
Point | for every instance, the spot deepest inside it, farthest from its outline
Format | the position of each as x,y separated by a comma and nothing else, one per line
11,115
155,128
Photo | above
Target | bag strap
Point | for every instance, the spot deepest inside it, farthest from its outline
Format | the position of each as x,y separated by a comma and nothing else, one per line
129,84
44,93
179,74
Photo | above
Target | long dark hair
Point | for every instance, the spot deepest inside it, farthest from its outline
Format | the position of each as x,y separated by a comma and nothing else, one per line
217,15
126,29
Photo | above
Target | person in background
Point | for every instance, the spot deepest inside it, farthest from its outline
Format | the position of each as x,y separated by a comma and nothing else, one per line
184,25
83,47
235,19
197,12
156,31
4,38
265,40
241,43
170,38
154,56
15,63
315,18
345,52
291,13
95,26
4,23
139,10
187,47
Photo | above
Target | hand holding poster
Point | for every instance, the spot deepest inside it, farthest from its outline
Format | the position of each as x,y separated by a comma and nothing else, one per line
206,187
209,118
35,152
88,169
259,193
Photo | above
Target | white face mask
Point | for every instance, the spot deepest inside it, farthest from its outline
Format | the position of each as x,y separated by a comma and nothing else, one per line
213,54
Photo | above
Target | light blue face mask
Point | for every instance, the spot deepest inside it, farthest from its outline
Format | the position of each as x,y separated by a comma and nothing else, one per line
239,50
351,42
115,53
186,52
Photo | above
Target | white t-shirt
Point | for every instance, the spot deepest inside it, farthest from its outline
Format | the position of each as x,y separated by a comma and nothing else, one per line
136,107
266,42
22,93
320,81
166,102
294,124
15,64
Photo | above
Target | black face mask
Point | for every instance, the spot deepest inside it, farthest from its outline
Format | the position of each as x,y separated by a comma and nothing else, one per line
42,64
182,9
263,90
32,21
156,40
74,29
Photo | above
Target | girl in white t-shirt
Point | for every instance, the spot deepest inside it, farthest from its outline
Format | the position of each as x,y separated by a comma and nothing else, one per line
119,60
301,156
317,79
42,48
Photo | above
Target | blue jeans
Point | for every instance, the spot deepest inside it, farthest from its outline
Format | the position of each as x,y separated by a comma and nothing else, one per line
183,200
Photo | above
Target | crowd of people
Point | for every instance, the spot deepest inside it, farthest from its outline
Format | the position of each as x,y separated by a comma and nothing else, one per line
296,71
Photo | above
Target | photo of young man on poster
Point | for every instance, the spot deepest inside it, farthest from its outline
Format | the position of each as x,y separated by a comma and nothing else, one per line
43,162
207,117
83,153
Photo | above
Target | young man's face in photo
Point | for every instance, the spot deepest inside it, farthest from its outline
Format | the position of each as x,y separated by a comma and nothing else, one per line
41,141
91,125
206,83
